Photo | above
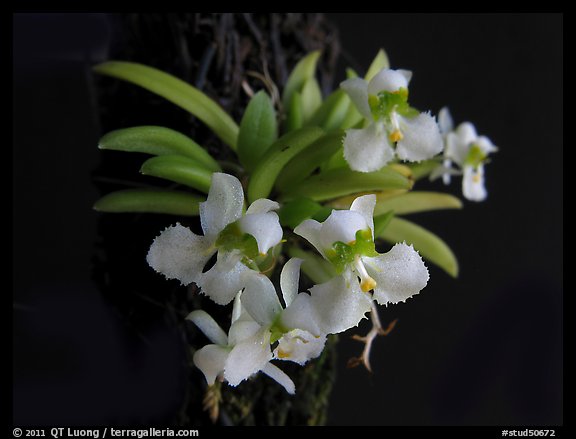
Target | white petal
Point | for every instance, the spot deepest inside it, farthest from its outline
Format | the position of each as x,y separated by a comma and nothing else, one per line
421,138
455,149
466,133
223,205
280,377
301,314
399,274
367,149
242,330
365,206
223,281
289,279
389,80
260,299
208,326
238,311
265,227
262,205
310,230
211,360
339,305
473,187
248,357
486,145
180,254
357,90
299,346
445,122
342,226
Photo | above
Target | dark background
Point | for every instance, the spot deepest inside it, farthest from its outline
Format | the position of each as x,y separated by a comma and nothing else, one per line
484,349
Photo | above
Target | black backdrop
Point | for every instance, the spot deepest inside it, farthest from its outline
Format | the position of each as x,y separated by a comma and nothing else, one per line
485,349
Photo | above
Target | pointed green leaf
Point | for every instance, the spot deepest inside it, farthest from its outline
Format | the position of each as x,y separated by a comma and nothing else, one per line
336,161
339,182
178,169
381,222
351,73
415,201
281,152
150,201
294,212
380,62
294,116
311,98
301,166
430,246
423,169
304,70
318,269
332,112
157,141
258,130
178,92
352,118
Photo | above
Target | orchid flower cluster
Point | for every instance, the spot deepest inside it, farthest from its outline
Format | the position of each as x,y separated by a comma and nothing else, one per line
320,183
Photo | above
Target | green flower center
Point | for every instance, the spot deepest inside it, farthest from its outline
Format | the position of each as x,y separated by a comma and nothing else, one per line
475,157
343,254
385,103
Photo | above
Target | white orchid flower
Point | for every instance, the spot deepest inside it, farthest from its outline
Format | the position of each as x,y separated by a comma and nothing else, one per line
469,151
302,325
299,339
236,356
179,253
346,239
384,102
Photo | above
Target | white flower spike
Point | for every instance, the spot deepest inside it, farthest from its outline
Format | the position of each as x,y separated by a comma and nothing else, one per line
346,239
469,151
179,253
384,102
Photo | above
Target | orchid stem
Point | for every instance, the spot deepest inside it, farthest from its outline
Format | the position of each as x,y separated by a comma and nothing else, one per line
376,330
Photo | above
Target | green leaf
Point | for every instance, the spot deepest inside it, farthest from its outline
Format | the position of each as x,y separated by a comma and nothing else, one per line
314,266
294,212
308,160
332,112
311,98
351,73
381,222
178,92
423,168
380,62
280,153
339,182
430,246
352,118
157,141
415,201
178,169
150,201
258,130
294,116
304,70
